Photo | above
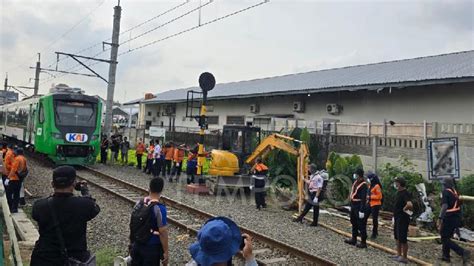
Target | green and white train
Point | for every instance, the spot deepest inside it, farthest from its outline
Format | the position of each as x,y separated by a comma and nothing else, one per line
63,125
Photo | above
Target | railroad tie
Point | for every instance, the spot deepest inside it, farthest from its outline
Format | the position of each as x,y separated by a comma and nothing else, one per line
274,260
261,251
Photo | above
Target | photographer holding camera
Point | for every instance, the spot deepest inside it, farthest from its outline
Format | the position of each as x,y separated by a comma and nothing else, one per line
62,220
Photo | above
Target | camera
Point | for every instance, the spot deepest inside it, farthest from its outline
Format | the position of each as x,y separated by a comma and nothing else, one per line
80,185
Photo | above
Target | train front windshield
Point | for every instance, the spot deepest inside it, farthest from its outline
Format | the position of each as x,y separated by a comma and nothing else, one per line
81,114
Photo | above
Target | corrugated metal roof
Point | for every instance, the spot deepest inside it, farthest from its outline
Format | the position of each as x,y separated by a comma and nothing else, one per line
454,67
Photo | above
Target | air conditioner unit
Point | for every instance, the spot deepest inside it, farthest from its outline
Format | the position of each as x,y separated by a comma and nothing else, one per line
333,109
254,108
298,107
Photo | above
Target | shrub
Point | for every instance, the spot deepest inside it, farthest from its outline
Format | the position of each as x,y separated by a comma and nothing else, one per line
466,187
406,170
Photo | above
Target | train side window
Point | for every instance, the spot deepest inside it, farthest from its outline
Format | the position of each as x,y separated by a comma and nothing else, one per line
41,113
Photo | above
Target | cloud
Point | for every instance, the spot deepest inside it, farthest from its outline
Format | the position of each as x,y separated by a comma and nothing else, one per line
277,38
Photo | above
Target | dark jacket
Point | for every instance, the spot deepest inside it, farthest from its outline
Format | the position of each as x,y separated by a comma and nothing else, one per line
73,214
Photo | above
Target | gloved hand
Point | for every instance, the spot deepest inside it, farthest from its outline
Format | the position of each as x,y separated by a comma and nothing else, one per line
315,200
361,215
7,181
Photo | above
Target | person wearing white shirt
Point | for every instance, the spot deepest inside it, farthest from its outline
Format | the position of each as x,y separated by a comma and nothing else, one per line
157,159
314,195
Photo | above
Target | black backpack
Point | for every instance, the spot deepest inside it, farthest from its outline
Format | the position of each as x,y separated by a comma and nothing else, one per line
140,222
21,175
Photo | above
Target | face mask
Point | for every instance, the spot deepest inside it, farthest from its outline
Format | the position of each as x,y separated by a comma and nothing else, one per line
354,176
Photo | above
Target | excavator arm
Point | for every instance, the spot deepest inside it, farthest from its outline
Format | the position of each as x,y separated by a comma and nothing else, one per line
281,142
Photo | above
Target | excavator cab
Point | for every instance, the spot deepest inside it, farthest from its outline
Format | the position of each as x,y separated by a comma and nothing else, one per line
240,140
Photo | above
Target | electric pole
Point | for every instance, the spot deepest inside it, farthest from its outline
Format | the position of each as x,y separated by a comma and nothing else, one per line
37,75
112,70
6,83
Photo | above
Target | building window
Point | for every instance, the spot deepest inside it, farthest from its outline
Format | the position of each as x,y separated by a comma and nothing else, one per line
158,113
209,108
213,120
147,124
149,113
235,120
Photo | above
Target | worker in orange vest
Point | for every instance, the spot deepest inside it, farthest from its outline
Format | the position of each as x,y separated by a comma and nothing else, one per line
375,201
16,175
139,150
259,171
178,157
359,215
149,158
168,153
8,161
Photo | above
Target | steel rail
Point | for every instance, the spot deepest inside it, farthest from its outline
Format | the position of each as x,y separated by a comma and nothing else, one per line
268,240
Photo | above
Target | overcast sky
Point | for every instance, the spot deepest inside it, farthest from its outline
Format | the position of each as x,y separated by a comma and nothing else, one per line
276,38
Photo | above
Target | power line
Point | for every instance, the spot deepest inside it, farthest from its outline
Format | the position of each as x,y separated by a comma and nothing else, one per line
194,27
168,22
64,34
128,30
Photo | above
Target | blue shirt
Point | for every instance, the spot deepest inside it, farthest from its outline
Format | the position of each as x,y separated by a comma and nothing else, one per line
155,239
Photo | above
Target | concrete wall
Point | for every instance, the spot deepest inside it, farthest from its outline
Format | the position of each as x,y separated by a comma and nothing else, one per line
451,103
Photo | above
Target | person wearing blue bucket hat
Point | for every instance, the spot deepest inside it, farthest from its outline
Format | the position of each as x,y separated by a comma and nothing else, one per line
218,241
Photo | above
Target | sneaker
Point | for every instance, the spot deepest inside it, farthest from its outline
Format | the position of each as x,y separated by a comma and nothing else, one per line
402,260
394,257
313,224
297,220
350,241
362,245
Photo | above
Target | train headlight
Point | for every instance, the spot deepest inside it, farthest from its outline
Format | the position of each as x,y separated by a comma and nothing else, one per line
57,135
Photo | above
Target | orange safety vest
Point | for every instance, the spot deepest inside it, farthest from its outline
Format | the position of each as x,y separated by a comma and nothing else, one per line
260,167
140,148
8,162
456,207
354,192
19,165
151,150
375,196
178,155
169,153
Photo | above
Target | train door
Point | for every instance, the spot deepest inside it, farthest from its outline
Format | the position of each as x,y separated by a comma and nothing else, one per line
31,123
40,120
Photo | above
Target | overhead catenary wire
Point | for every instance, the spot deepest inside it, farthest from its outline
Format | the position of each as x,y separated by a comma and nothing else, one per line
126,31
194,27
63,34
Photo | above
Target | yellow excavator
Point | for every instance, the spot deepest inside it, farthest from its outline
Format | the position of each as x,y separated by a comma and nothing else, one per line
241,146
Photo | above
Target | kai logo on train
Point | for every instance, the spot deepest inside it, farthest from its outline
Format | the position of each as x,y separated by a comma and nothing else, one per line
76,137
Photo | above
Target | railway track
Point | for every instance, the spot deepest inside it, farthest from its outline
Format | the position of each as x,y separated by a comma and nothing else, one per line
267,250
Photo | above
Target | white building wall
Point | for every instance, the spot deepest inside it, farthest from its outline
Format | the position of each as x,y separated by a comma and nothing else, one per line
451,103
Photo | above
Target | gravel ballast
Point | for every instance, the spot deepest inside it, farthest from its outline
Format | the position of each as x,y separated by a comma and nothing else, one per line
272,221
110,229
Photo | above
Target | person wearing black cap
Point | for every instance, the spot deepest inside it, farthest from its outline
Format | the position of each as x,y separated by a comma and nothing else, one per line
449,220
62,220
359,216
401,215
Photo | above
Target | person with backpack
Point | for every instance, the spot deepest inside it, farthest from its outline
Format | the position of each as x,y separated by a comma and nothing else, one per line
314,195
62,222
15,178
148,229
375,201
